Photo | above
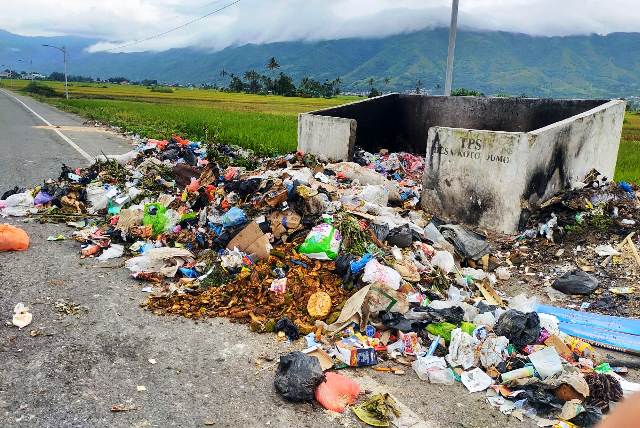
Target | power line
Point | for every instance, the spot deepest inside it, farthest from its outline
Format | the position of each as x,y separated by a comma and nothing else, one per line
164,33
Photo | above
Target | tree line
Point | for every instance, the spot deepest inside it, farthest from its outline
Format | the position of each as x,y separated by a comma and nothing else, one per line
279,83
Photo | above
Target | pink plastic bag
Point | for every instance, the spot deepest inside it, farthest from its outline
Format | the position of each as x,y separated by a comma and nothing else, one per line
337,392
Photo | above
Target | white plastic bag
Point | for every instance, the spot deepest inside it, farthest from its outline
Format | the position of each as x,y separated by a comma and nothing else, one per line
433,369
97,197
523,303
164,260
487,319
444,260
462,350
113,252
493,350
476,380
547,362
17,205
21,316
375,194
374,272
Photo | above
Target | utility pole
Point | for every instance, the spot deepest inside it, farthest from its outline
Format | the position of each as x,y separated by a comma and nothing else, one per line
453,28
64,56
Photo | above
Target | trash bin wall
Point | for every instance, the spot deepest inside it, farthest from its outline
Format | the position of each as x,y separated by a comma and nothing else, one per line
376,124
494,179
565,151
475,176
420,113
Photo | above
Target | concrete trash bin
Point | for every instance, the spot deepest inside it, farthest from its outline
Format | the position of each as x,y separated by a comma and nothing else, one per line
489,161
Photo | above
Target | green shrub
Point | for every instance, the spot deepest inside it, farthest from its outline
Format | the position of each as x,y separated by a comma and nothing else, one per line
37,88
162,89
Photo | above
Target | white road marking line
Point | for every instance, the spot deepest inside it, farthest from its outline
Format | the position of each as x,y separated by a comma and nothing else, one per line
54,129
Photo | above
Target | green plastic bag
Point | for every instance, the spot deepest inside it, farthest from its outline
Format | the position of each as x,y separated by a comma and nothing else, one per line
467,327
155,214
442,329
322,243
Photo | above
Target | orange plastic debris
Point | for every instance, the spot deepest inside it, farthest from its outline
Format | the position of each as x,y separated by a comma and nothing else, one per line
181,141
13,238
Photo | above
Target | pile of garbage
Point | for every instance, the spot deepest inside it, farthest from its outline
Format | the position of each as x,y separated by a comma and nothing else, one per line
339,257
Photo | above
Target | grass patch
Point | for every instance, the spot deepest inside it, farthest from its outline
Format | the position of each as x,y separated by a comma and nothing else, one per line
265,133
628,166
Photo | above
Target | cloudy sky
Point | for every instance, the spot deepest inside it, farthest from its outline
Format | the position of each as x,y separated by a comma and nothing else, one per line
117,22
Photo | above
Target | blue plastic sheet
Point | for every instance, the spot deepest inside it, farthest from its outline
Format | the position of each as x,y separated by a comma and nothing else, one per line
611,332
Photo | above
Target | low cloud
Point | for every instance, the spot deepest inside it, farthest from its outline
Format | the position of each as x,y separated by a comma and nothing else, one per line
119,22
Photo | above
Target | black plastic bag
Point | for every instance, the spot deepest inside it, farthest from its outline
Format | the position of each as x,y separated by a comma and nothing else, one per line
400,236
453,315
289,328
380,230
589,418
343,267
189,157
359,158
249,186
468,244
576,282
484,307
542,400
521,329
13,191
298,376
396,321
201,202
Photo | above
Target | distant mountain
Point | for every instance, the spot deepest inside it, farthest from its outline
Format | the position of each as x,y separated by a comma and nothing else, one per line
492,62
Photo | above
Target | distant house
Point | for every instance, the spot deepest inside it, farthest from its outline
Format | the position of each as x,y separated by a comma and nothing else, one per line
5,75
33,76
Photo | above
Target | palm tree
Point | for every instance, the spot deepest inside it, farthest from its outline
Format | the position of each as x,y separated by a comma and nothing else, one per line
370,81
336,85
223,73
252,78
273,64
386,82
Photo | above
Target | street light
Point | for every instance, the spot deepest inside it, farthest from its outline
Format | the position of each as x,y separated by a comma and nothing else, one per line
64,56
452,45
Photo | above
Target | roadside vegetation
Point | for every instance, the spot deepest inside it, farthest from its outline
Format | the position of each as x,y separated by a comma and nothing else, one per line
628,166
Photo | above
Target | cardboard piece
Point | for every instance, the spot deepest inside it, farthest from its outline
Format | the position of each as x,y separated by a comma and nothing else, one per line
252,240
326,362
356,354
284,222
560,346
275,198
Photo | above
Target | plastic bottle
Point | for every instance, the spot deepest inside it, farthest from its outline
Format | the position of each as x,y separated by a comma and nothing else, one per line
527,371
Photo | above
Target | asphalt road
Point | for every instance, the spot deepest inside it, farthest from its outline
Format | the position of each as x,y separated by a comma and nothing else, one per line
68,370
32,151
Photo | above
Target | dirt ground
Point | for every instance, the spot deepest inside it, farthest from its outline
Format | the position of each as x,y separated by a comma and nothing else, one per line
68,370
